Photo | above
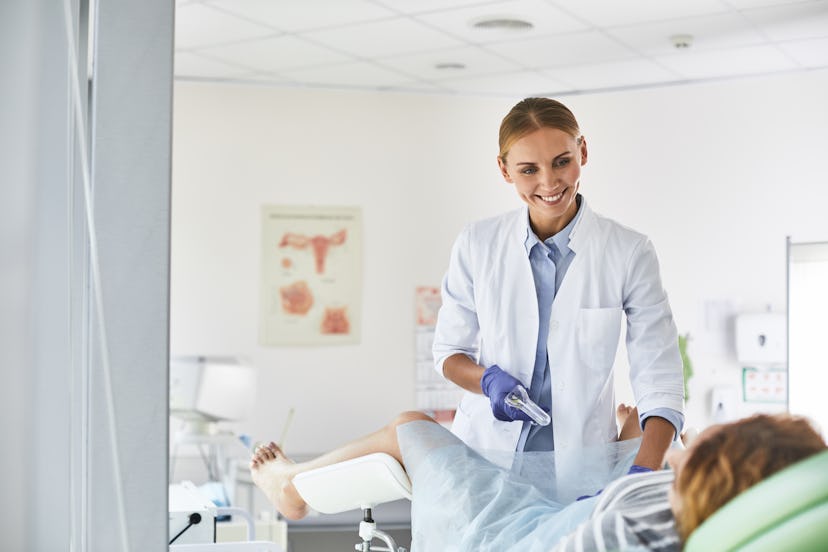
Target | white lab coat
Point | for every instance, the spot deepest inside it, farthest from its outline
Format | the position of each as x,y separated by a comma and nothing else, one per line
490,313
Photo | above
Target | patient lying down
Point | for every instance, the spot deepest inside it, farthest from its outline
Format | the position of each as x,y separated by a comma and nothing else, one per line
463,501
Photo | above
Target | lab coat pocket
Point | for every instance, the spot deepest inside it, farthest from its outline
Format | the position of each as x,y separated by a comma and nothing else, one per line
598,333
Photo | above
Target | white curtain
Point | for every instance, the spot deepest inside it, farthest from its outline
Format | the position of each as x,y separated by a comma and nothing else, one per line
84,270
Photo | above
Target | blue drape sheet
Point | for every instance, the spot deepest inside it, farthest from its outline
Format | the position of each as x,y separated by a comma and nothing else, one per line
466,500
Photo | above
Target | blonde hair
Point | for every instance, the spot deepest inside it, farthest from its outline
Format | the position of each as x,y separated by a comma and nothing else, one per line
735,457
532,114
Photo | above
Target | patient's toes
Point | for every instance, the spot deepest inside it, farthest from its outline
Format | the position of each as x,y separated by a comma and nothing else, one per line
622,413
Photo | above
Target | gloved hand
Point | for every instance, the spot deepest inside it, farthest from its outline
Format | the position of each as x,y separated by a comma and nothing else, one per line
496,384
588,496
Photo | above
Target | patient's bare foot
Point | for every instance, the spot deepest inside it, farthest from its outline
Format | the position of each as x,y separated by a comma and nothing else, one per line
622,413
627,417
273,473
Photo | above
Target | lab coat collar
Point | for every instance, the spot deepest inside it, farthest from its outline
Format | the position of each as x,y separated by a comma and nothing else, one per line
530,239
584,224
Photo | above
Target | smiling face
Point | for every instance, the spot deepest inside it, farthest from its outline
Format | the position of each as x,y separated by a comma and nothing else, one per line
545,167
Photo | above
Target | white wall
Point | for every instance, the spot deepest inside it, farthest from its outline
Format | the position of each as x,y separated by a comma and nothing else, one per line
717,174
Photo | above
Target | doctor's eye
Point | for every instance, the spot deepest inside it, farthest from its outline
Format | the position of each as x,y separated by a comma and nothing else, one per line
529,170
562,162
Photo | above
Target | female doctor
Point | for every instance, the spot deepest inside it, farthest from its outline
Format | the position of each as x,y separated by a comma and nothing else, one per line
536,297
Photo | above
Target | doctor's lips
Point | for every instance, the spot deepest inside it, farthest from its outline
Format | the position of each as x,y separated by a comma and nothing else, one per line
553,198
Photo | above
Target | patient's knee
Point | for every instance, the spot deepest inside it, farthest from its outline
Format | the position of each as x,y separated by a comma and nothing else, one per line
410,416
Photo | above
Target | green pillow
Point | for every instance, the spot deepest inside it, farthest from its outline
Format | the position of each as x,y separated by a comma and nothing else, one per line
787,511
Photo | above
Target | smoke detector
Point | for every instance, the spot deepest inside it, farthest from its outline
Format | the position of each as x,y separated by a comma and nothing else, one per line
682,41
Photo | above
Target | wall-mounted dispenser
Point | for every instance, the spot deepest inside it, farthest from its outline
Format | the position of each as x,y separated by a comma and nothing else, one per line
761,339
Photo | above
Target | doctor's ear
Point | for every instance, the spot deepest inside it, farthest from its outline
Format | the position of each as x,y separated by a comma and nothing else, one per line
504,170
583,147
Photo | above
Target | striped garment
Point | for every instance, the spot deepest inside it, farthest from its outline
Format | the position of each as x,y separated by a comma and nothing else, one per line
632,514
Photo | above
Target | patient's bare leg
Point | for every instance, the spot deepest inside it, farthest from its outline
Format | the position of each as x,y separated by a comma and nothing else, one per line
273,472
628,420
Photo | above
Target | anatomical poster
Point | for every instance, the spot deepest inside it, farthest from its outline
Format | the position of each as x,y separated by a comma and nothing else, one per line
311,288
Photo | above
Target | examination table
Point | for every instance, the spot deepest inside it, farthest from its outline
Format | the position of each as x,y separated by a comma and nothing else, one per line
787,511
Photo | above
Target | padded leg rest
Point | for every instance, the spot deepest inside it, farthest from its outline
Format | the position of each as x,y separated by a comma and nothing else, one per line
361,482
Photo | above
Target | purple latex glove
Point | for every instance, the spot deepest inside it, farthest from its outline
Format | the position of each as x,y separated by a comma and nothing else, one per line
496,384
588,496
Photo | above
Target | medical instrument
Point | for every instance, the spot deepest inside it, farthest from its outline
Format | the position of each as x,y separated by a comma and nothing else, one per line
496,383
519,398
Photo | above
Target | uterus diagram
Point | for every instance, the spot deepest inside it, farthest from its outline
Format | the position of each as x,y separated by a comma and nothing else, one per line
318,244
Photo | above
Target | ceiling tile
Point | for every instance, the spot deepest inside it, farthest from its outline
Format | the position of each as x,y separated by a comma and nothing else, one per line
793,22
567,49
290,15
708,32
386,38
264,78
575,46
193,65
808,53
606,14
633,72
422,6
348,74
723,63
197,25
275,54
749,4
475,61
545,19
519,84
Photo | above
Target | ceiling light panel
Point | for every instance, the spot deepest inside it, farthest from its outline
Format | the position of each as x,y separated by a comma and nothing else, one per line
292,16
276,54
545,20
386,38
197,25
607,14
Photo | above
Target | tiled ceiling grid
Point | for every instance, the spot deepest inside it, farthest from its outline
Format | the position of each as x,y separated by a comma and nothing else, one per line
573,46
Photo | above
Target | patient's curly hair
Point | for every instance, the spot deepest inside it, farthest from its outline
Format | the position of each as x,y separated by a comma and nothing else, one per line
736,456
